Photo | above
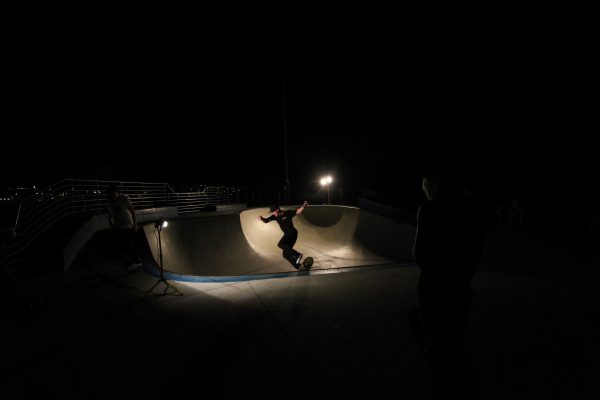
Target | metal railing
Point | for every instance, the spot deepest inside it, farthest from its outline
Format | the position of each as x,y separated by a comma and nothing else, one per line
48,206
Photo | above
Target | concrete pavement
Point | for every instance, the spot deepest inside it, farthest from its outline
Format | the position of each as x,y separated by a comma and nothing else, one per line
332,334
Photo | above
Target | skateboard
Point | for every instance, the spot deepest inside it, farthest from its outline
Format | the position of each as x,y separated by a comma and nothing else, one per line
307,263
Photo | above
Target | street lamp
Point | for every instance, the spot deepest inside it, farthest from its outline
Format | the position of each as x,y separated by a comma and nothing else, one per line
326,181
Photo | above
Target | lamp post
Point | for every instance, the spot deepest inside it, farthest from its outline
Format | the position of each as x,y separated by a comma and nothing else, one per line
326,181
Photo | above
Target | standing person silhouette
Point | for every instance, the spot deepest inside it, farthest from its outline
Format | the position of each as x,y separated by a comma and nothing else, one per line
290,234
447,250
122,219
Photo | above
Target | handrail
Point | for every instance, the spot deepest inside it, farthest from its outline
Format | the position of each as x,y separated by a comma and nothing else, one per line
14,229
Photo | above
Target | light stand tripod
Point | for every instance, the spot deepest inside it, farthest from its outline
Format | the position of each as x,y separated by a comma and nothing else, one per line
158,228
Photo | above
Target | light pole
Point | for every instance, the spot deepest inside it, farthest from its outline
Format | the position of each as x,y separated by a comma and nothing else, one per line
326,181
287,193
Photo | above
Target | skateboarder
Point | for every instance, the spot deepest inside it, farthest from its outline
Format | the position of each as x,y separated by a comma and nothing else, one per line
290,234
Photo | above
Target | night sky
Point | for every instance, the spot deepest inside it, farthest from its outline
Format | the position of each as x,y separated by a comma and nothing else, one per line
196,95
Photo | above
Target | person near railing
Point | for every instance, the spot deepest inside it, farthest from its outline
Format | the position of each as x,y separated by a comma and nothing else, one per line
122,219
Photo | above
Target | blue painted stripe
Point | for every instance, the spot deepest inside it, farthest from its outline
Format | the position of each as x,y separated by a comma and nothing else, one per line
155,271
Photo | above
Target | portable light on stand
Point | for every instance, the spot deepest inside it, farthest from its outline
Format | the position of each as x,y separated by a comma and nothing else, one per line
158,227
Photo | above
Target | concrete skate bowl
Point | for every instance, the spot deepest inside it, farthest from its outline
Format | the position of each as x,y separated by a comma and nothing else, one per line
238,246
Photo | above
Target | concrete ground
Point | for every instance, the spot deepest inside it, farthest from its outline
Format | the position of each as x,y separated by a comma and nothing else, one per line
96,331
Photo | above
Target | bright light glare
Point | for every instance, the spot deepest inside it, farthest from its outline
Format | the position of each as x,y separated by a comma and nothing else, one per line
161,224
326,180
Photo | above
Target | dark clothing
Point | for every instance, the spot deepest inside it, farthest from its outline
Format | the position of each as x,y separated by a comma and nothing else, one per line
124,225
449,239
122,215
290,235
286,244
127,243
447,249
284,220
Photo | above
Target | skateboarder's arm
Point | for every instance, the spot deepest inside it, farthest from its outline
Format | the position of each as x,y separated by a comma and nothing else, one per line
265,220
302,207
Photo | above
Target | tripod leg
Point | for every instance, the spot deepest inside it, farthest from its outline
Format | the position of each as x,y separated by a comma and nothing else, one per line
151,289
162,278
168,286
173,287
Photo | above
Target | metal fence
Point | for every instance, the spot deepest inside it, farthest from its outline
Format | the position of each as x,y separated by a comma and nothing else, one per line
48,206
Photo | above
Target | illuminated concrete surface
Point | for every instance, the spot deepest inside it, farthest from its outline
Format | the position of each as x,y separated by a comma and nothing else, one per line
239,244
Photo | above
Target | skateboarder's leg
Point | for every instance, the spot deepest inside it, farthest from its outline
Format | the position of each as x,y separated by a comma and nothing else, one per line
288,251
297,255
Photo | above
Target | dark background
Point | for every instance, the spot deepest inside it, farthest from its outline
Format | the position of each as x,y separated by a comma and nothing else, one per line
196,95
